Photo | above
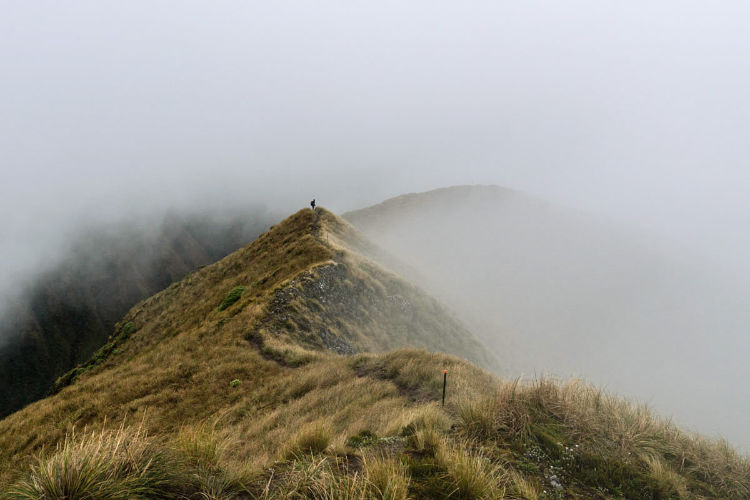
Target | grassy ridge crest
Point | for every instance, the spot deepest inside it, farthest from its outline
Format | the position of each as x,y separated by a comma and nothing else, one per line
321,411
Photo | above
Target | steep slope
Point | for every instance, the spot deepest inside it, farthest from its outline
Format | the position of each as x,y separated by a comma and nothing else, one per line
554,290
71,308
230,384
289,274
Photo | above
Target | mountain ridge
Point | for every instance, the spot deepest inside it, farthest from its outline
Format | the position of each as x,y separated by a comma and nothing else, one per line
276,264
254,377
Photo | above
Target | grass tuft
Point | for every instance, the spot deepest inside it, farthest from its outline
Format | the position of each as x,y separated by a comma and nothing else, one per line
388,478
312,439
668,482
473,474
477,417
121,464
200,446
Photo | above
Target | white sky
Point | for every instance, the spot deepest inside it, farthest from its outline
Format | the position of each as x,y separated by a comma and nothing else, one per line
635,110
628,107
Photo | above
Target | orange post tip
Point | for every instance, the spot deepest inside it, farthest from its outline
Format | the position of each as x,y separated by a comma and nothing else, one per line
445,371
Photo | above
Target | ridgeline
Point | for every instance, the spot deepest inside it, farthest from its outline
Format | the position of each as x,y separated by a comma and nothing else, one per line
297,367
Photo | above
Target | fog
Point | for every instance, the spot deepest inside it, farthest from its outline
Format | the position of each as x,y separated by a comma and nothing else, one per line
555,291
636,113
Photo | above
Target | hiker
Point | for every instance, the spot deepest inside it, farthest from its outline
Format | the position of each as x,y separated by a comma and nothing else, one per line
312,204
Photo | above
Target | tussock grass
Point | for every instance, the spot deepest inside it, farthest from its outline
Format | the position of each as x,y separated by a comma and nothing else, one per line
670,483
287,354
127,464
119,464
472,474
201,445
220,484
521,488
322,478
426,441
388,478
426,450
478,416
282,432
574,422
424,434
318,479
312,439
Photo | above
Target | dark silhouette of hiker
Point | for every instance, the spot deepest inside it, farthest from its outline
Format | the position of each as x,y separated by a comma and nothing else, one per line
312,204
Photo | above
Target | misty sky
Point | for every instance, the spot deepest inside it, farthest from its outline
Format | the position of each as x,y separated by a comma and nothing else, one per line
633,110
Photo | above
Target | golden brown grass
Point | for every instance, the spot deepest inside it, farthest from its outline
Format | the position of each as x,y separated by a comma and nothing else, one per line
312,439
561,416
177,366
282,432
327,400
388,478
118,464
472,473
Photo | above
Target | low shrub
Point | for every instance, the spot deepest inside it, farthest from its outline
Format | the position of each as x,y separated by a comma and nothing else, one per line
233,296
364,438
127,329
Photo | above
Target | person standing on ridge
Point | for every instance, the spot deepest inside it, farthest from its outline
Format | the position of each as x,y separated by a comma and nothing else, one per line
312,204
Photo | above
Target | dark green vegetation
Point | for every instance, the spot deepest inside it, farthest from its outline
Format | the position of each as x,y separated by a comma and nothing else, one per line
233,296
72,309
322,411
100,356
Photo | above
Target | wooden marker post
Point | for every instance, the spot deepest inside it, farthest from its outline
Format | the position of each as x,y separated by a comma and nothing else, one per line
445,380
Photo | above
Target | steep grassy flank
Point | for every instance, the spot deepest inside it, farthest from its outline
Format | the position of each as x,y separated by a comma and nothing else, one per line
70,309
174,354
370,426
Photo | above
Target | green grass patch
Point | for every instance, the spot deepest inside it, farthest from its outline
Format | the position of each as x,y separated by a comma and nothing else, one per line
363,439
232,297
428,479
615,477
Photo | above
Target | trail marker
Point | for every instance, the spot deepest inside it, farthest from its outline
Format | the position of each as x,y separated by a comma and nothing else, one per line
445,380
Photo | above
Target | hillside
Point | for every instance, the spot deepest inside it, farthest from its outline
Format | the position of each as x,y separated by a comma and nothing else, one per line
551,289
263,376
69,310
522,273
